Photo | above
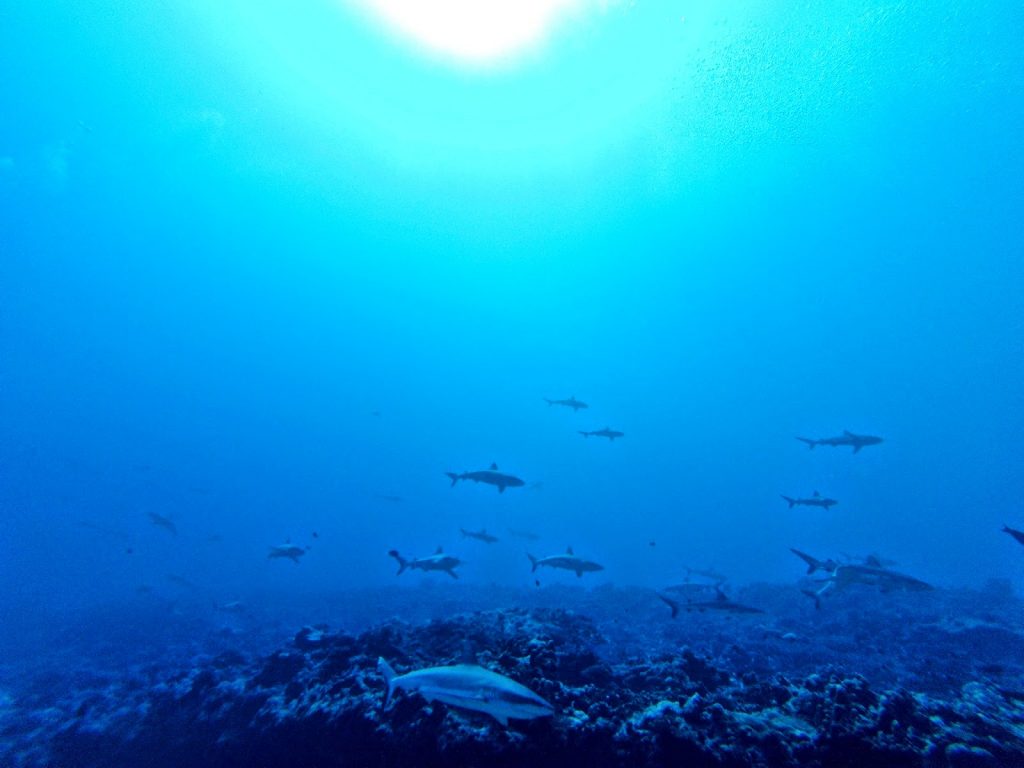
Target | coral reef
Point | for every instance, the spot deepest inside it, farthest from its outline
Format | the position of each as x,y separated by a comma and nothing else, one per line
742,701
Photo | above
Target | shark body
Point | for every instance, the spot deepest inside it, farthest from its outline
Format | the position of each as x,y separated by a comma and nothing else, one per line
847,438
469,686
567,562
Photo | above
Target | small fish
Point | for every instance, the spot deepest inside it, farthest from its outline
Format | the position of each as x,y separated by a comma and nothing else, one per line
438,561
847,438
608,432
489,476
481,535
163,522
568,562
233,606
570,402
469,686
814,500
181,581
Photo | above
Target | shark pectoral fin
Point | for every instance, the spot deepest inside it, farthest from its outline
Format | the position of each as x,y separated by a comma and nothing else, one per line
452,573
579,574
856,449
501,489
500,718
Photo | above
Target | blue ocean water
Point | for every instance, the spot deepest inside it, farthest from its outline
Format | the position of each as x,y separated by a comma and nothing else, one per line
268,272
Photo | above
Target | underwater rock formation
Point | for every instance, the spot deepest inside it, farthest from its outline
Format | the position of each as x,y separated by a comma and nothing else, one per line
319,701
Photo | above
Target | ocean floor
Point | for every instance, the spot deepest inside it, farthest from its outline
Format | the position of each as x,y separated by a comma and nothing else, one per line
919,679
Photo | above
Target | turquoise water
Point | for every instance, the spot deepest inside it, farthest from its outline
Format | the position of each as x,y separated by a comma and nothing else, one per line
261,267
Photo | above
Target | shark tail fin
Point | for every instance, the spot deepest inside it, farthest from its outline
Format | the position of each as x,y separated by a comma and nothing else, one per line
671,604
454,477
402,562
549,402
791,502
533,562
814,596
810,443
813,564
389,677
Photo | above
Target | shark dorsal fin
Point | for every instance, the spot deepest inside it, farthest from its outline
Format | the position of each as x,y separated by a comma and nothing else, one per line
720,596
440,550
848,433
494,465
816,494
568,550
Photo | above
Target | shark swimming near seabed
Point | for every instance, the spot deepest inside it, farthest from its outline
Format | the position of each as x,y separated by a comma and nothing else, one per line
847,438
469,686
287,550
481,535
722,603
847,575
489,476
814,500
438,561
608,432
163,522
567,562
570,402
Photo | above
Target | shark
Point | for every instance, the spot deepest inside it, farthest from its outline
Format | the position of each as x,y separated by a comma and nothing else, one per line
570,402
568,562
528,535
608,432
290,551
489,476
438,561
481,535
847,438
722,603
1017,535
814,500
163,522
469,686
847,575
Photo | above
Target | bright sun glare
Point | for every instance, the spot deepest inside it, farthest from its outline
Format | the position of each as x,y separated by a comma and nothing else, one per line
478,32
